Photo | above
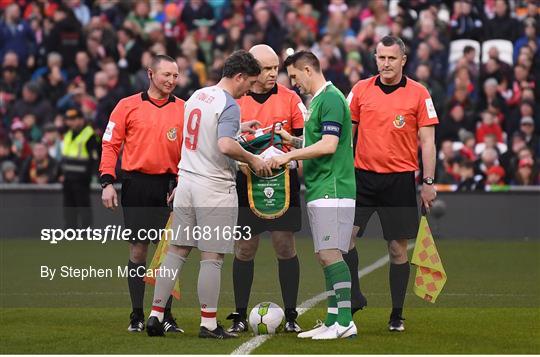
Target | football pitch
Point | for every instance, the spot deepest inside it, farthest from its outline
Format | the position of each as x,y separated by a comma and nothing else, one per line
490,304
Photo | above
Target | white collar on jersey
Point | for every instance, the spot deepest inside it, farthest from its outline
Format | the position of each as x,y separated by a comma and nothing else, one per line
328,83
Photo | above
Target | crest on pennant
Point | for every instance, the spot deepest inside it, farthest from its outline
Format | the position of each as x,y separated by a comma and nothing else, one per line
268,192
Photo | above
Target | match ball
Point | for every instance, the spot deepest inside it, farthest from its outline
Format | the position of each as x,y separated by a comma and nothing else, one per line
266,318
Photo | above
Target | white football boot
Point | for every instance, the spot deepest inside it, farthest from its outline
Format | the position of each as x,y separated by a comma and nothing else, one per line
337,331
318,328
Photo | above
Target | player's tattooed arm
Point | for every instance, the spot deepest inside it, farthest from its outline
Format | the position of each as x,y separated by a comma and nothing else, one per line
288,139
297,143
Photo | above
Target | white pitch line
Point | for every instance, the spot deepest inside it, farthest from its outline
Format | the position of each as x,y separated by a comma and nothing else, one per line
248,346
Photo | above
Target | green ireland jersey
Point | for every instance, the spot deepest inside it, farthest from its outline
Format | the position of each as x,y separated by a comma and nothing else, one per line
329,176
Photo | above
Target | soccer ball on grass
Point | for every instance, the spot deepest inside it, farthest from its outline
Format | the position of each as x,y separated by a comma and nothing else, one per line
266,318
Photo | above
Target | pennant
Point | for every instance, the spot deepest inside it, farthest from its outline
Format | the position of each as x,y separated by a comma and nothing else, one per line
430,275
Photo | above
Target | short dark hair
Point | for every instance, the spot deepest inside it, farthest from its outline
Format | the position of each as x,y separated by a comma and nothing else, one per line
157,59
302,58
243,62
468,49
389,40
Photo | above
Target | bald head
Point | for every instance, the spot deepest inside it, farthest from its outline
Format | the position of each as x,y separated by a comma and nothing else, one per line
269,62
263,52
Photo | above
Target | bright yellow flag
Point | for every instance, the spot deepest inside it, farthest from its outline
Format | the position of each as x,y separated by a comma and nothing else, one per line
159,255
430,275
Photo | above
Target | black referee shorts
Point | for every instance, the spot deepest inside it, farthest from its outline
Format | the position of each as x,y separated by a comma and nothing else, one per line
291,221
144,203
393,197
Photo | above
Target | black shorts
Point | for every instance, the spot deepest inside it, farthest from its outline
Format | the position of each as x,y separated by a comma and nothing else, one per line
291,221
393,197
144,203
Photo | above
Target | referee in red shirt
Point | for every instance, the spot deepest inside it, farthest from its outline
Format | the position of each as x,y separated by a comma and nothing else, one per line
389,113
149,126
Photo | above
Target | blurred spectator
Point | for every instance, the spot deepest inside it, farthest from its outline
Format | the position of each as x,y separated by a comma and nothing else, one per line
83,69
9,88
5,151
468,141
509,160
489,125
452,124
525,174
80,10
51,139
530,37
531,138
467,179
465,22
39,168
488,159
16,35
187,82
447,164
462,79
129,50
495,175
495,67
468,61
502,26
267,28
492,101
8,172
140,80
141,15
423,75
490,141
462,98
31,102
33,131
194,11
66,36
19,143
307,17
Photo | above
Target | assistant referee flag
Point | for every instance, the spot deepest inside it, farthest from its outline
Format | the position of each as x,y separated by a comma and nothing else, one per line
430,275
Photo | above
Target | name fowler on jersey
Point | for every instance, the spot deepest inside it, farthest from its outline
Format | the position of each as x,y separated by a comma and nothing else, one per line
203,97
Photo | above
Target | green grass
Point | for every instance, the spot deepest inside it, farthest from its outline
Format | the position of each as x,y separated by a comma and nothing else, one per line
491,303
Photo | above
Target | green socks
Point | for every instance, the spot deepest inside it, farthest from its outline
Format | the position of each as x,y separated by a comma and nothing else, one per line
338,286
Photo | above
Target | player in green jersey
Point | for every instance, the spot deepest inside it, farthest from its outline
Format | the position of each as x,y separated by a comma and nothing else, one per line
327,155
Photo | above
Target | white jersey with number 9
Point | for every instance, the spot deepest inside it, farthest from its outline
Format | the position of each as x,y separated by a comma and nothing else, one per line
210,113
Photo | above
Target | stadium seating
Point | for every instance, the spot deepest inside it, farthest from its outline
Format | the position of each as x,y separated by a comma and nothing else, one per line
456,50
505,47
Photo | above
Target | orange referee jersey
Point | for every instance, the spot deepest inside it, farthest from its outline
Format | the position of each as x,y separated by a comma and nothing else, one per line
151,134
277,106
388,124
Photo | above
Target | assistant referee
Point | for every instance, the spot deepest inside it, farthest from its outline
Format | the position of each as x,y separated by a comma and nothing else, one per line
149,126
389,113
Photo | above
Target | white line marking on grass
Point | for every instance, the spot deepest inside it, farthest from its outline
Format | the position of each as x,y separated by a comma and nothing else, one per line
250,345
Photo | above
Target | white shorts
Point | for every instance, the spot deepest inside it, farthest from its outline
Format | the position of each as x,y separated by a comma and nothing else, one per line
331,221
205,214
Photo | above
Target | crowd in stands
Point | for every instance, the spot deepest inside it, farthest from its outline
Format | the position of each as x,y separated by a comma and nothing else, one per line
59,54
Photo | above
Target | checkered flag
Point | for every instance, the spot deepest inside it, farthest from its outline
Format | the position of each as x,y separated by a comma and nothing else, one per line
430,275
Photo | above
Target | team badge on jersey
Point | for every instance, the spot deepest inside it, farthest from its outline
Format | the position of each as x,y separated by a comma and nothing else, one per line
399,121
171,134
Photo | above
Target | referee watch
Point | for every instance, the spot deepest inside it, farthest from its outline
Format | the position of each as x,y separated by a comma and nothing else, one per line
106,180
428,181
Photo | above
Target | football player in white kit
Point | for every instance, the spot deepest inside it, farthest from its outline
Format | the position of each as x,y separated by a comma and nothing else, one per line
205,202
